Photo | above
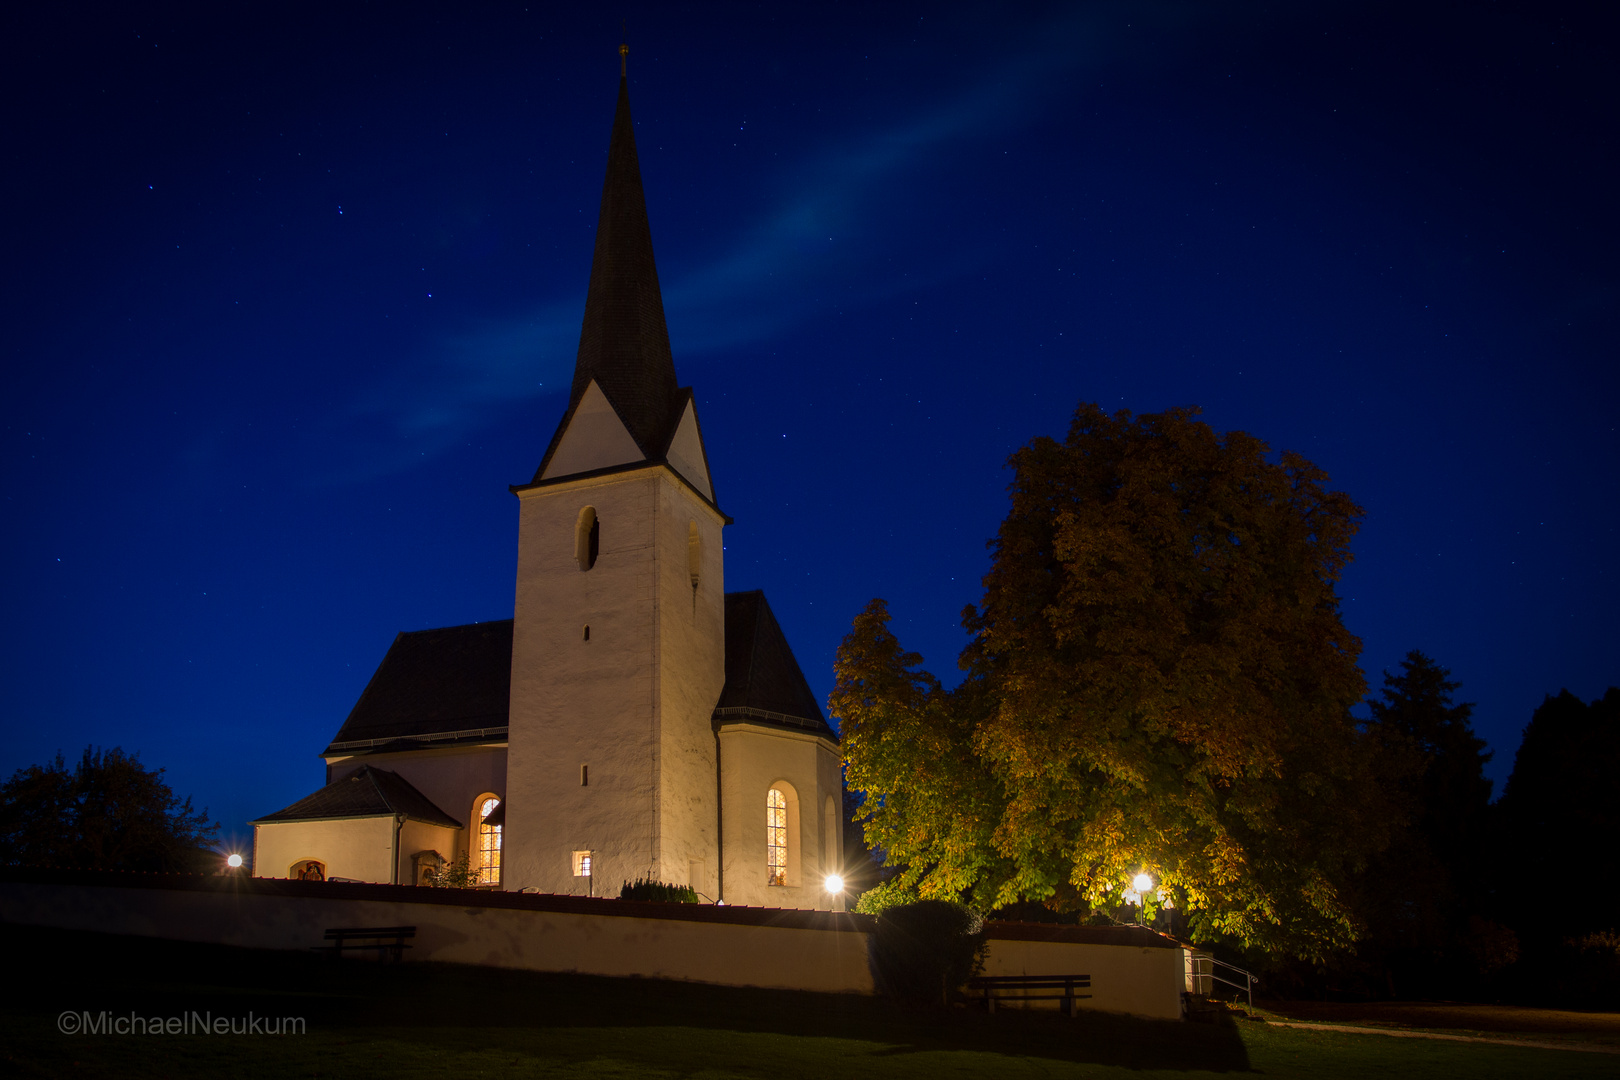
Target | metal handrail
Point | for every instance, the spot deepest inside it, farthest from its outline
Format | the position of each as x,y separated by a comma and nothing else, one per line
1250,980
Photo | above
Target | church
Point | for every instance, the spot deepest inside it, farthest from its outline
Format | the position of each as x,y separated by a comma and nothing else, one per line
632,719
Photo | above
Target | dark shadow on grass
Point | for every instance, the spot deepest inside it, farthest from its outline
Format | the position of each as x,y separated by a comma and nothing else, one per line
433,1003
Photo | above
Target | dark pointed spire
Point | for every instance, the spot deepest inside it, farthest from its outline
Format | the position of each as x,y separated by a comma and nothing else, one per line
624,344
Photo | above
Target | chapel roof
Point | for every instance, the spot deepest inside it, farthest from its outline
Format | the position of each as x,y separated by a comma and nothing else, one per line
453,681
763,680
623,341
452,686
366,792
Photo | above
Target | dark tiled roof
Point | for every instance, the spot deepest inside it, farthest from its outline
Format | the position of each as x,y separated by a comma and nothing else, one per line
433,682
763,680
457,681
623,342
366,792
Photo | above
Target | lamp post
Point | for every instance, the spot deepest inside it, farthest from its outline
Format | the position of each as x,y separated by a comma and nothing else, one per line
1136,895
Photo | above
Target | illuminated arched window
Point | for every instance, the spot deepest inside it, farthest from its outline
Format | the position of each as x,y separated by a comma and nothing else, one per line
308,870
776,838
487,844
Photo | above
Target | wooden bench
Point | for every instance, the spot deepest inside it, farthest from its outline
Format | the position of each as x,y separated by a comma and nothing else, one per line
1016,988
389,941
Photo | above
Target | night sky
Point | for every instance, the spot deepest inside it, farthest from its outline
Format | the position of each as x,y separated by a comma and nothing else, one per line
292,293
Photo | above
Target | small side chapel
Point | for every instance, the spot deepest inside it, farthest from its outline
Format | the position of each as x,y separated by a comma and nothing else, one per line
632,719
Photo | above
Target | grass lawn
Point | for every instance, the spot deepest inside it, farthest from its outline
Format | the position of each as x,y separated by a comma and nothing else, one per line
440,1020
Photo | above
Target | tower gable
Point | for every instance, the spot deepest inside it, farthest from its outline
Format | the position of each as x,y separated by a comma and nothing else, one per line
686,455
592,437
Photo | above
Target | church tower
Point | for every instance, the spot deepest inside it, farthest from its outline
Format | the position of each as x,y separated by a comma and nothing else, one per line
618,648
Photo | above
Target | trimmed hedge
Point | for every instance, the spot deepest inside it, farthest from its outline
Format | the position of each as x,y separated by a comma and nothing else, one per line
647,889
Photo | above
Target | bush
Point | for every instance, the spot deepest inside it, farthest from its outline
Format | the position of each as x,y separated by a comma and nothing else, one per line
458,874
925,951
647,889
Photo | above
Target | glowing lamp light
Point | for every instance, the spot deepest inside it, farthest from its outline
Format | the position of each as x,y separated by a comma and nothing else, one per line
234,861
1142,883
835,884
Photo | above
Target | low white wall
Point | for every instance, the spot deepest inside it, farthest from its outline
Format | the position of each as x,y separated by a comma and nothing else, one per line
1132,970
1124,978
733,954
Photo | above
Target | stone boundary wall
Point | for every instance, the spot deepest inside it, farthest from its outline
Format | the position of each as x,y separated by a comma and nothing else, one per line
1133,970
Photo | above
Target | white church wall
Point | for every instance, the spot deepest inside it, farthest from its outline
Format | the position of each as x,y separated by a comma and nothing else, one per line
357,848
691,675
451,778
419,836
753,757
583,703
829,829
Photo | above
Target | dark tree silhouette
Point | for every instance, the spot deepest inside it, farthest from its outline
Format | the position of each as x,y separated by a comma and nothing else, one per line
1560,818
110,812
1421,893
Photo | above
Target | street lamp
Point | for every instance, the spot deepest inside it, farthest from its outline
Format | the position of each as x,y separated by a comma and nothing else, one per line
234,861
834,884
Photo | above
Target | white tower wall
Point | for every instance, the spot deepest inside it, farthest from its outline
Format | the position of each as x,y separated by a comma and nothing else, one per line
632,704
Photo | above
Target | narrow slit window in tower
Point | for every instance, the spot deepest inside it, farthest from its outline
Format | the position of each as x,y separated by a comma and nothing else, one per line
587,538
694,552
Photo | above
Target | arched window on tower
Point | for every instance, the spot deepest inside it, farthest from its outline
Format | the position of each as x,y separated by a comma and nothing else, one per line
587,538
486,853
776,838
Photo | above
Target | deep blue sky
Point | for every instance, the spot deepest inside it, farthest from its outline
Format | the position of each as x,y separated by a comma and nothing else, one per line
291,295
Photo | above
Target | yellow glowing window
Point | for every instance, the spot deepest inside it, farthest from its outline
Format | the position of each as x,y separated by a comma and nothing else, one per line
489,844
776,849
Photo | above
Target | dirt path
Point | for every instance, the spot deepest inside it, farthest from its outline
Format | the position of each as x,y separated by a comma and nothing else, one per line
1549,1027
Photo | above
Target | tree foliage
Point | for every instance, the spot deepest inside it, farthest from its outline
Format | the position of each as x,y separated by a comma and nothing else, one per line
1158,679
110,812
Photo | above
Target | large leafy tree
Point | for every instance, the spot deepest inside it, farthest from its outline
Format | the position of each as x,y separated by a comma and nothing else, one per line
109,812
1158,679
